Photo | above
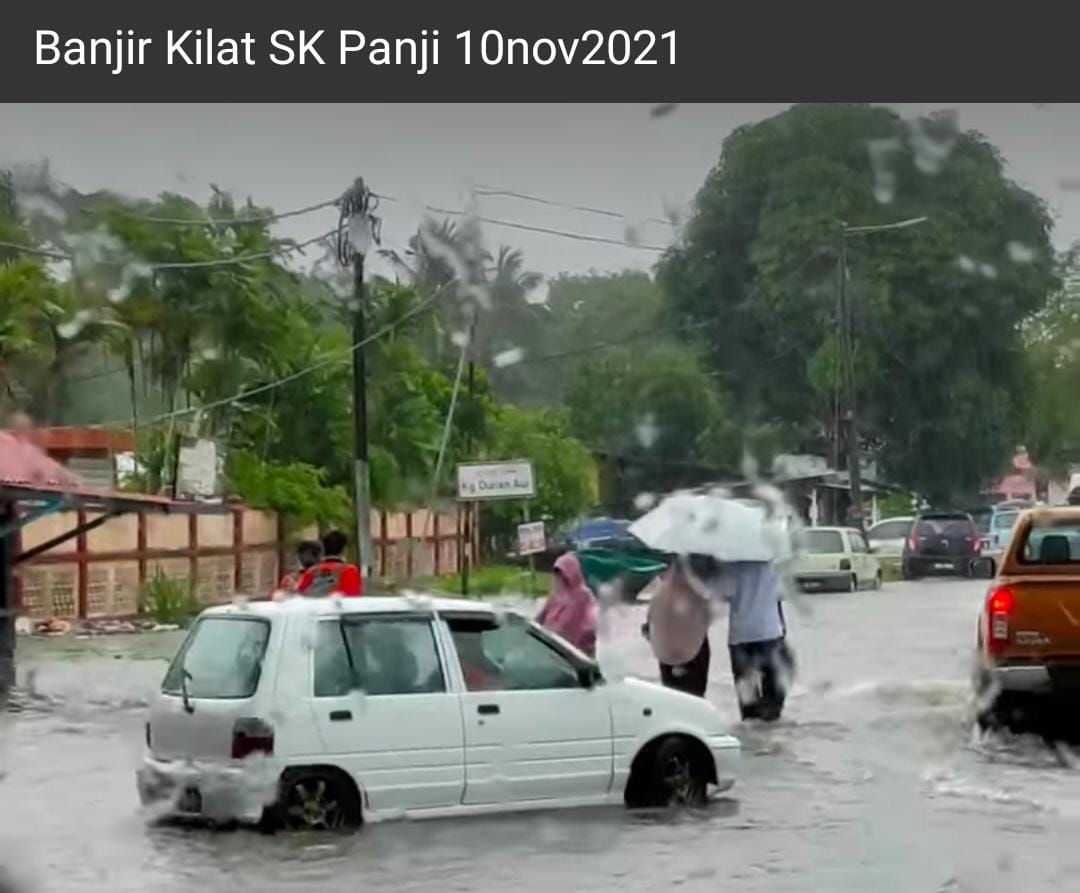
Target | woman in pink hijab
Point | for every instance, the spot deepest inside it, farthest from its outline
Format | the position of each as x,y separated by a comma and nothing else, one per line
570,610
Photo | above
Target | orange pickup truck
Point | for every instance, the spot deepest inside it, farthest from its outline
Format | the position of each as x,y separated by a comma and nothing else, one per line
1028,639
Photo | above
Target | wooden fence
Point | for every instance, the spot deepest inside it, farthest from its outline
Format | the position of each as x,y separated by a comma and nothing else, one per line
101,573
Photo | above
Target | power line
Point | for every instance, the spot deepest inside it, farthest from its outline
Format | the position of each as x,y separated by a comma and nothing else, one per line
215,221
497,192
187,264
602,345
243,394
533,228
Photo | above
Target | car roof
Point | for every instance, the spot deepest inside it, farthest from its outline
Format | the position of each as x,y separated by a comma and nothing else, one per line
333,606
831,529
1051,513
944,516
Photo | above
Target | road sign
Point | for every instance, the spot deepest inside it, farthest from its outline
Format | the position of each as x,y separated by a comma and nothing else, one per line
496,480
531,539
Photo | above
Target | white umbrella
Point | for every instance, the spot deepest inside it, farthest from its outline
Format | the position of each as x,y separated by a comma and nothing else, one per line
713,524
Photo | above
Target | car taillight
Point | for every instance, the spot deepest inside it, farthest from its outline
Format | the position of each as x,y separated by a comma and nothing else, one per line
999,609
252,736
913,542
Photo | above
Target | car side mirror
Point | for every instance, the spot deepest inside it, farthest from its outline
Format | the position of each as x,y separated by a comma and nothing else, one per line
983,568
589,675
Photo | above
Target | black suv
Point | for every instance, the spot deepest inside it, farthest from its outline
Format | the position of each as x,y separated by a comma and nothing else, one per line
941,542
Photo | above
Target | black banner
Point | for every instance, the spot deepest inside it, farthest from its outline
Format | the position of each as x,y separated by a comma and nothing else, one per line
498,51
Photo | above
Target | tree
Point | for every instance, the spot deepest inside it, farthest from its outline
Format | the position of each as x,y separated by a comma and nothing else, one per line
565,474
939,359
657,413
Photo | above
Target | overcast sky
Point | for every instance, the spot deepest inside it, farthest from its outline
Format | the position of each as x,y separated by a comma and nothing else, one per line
614,157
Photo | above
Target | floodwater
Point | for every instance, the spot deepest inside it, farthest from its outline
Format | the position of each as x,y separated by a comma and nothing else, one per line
873,781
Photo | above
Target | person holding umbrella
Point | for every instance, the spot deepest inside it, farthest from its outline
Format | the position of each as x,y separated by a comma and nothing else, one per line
677,627
726,548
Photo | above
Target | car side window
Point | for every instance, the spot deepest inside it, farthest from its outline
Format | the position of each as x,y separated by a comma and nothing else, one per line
858,544
379,656
509,656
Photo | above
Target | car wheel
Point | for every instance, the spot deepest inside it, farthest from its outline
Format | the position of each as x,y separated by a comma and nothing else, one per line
908,572
680,777
877,581
317,801
852,584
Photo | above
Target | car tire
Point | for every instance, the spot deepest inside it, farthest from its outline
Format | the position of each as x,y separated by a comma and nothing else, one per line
317,800
908,572
852,584
878,581
669,772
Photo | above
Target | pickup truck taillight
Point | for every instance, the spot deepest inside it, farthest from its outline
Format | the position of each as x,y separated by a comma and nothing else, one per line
252,736
999,610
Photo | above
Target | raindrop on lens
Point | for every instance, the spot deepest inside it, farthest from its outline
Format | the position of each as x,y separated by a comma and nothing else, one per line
509,357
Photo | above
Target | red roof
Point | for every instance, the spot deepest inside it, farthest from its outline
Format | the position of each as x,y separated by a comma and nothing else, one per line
22,462
72,439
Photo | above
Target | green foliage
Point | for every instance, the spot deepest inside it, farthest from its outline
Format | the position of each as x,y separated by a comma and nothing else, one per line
494,579
294,488
169,600
565,473
937,306
658,413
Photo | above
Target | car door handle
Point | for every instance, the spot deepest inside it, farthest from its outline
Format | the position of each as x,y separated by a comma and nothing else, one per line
487,709
340,716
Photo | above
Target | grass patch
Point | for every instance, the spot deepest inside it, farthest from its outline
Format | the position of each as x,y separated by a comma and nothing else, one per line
494,579
169,600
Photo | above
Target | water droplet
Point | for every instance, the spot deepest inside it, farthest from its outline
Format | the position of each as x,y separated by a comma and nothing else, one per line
966,264
459,339
644,501
881,163
1019,253
932,140
72,327
538,294
988,270
662,109
647,431
509,357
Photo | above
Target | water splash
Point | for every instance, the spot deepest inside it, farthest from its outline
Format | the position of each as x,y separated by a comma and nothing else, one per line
509,357
647,431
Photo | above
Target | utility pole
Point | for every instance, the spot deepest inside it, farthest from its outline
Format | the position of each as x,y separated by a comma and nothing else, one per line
465,549
358,228
846,322
848,350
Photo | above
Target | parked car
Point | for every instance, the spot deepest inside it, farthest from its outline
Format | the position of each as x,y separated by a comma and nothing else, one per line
941,542
323,713
1002,521
834,558
888,536
1028,635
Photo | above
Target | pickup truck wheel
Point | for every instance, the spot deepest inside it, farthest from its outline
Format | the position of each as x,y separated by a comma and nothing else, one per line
317,800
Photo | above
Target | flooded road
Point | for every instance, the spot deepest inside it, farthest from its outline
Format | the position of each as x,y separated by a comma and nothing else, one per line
873,781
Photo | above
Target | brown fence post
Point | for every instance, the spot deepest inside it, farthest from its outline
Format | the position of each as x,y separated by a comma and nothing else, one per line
238,548
384,539
435,543
193,557
140,546
82,583
280,575
408,545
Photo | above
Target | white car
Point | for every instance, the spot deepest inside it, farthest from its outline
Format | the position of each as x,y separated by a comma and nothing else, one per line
324,713
888,536
834,558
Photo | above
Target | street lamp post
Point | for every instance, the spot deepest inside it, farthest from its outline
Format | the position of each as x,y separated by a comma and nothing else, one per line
845,322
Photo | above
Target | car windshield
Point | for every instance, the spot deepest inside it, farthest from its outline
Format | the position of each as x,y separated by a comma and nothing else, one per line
945,526
220,658
1005,521
822,542
890,530
1048,543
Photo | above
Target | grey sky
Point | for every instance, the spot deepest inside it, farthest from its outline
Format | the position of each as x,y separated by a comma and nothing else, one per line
615,157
